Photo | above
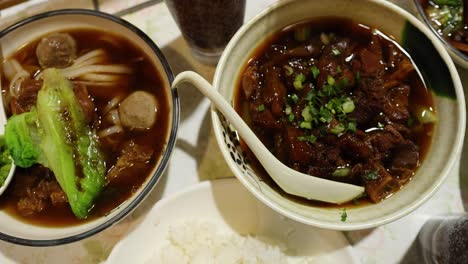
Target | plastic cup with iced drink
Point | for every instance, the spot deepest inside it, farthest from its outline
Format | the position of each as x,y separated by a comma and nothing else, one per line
207,25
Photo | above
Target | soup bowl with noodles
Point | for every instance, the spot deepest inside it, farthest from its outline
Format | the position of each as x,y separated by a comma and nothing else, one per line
92,122
342,90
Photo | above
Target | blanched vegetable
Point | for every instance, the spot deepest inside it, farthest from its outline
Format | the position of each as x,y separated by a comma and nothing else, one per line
5,161
60,140
22,138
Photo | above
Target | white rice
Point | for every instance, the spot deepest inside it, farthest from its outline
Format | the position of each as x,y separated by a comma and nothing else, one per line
200,242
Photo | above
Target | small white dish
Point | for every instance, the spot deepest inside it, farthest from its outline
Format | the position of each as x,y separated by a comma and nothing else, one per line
232,209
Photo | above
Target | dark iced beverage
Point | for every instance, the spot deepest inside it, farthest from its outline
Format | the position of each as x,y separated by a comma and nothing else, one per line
207,25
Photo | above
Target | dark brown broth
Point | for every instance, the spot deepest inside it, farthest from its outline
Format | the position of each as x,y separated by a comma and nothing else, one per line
145,77
419,96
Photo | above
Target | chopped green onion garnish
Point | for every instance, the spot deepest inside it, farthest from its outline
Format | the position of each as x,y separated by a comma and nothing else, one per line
341,172
348,106
338,129
298,81
297,85
338,69
289,70
426,115
306,114
261,108
311,138
372,175
294,98
300,77
330,80
324,38
314,111
380,125
344,215
358,76
291,117
288,110
352,126
343,83
306,125
336,51
329,89
315,71
326,115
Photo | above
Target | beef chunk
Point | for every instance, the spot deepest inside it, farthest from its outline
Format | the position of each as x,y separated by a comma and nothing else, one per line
355,146
405,156
299,151
404,69
331,64
27,96
274,91
378,182
131,155
371,58
30,205
37,190
395,104
311,49
263,118
250,80
85,100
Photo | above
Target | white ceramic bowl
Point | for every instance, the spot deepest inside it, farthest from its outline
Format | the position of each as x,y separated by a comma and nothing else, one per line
459,57
14,37
431,58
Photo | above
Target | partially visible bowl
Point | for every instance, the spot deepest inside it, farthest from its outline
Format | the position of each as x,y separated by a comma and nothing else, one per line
229,210
458,56
20,232
429,55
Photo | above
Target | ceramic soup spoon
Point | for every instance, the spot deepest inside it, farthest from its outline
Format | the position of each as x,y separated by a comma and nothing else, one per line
291,181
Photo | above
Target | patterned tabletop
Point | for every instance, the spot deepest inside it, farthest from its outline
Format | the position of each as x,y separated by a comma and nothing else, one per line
197,150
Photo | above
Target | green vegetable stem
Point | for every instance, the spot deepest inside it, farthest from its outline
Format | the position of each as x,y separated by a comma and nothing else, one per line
56,135
5,161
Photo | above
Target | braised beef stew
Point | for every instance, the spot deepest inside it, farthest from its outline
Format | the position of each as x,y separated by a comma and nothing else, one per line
338,100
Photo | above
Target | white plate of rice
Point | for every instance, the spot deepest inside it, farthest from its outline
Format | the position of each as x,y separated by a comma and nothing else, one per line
220,222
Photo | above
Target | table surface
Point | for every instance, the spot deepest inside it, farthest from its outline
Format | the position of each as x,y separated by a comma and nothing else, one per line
197,149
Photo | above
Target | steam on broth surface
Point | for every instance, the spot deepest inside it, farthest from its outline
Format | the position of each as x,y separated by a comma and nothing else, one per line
124,104
338,100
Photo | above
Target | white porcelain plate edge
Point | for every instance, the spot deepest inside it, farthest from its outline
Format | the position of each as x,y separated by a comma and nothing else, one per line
228,205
